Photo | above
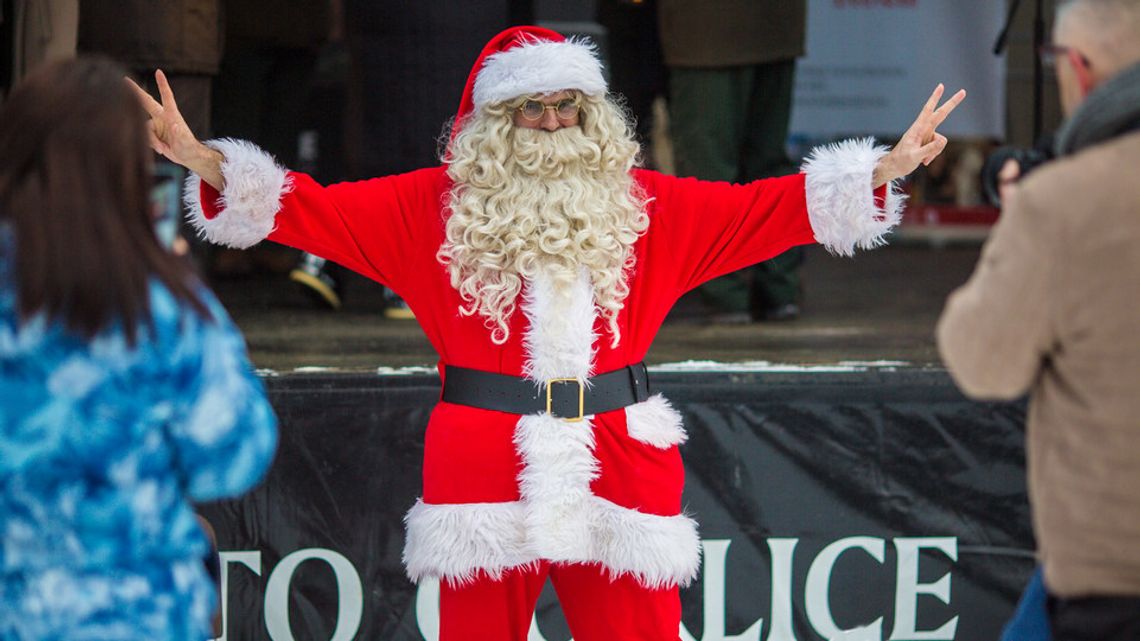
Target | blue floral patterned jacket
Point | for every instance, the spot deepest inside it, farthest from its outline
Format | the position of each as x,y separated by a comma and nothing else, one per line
102,447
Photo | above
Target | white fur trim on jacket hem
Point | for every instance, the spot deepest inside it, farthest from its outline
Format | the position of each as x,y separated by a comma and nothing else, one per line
459,543
248,206
539,67
655,422
840,201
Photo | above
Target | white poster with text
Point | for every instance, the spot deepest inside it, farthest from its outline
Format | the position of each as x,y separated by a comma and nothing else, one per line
871,64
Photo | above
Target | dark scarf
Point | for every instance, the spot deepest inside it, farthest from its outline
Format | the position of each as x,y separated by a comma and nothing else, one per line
1111,110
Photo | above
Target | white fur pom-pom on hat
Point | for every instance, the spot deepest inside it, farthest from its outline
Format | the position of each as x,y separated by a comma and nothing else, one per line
538,67
531,60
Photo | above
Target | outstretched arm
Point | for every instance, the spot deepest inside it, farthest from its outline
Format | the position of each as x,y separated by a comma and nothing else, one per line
238,195
171,136
921,143
705,229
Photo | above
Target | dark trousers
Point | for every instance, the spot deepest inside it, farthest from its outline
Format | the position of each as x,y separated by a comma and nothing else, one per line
1095,618
731,124
260,95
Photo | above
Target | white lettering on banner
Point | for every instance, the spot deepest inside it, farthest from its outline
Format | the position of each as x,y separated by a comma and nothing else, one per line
819,580
349,593
427,613
780,628
250,559
427,609
715,553
908,588
350,596
816,595
816,592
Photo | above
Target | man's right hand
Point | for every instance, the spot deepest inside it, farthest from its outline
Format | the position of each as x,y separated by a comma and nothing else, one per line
171,136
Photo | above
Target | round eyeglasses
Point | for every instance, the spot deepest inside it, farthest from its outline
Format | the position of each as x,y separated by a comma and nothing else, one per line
564,109
1049,54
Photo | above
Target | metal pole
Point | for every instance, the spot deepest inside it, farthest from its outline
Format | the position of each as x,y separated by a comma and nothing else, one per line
1038,74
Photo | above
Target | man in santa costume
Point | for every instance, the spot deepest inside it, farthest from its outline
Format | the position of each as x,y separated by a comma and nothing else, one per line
540,263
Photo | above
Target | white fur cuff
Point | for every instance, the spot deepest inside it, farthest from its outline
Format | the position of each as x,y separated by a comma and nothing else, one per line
840,201
255,184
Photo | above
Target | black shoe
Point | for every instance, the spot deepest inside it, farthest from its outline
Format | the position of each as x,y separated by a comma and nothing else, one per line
785,312
316,282
395,307
730,318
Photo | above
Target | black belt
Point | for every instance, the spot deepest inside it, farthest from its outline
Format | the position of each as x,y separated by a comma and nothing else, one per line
565,398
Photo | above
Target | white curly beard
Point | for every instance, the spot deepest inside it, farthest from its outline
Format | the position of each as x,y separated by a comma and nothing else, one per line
555,204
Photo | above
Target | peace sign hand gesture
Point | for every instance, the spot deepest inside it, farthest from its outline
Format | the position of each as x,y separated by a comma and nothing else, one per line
171,136
921,143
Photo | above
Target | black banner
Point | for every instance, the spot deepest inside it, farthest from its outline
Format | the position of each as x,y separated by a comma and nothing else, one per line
862,506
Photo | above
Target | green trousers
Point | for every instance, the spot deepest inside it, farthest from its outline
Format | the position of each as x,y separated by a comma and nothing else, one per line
731,124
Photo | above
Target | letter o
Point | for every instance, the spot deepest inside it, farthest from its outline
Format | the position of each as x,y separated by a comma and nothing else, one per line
350,596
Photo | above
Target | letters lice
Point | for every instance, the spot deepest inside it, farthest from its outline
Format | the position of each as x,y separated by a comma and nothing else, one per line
780,625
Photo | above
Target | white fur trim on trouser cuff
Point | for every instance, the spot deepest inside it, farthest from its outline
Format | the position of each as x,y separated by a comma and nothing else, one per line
840,201
539,67
655,422
255,184
459,543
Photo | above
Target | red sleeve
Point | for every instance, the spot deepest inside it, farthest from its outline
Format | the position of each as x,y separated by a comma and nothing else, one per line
699,230
373,227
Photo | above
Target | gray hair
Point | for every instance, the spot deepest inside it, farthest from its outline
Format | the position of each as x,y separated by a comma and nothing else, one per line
1112,29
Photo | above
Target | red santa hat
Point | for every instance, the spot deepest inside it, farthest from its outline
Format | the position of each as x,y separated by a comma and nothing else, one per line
530,60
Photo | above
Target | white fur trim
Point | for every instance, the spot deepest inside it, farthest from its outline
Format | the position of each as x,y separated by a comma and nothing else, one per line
539,67
655,422
840,201
659,551
559,342
456,543
558,519
558,465
557,455
255,184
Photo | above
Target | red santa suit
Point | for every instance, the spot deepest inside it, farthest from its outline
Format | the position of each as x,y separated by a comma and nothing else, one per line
509,499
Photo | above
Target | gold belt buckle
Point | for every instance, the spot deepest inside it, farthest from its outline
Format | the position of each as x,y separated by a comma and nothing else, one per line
581,398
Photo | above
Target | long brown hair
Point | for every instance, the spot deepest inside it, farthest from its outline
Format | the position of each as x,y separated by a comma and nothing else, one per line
75,181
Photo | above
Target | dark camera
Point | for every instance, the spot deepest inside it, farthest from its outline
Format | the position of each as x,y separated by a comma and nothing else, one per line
1027,159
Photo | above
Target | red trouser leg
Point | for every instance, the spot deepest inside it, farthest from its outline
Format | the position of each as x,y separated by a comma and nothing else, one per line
490,610
598,609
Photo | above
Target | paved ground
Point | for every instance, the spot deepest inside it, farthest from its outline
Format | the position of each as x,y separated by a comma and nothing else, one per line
880,306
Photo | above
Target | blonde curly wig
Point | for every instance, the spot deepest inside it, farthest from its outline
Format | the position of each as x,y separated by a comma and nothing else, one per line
530,201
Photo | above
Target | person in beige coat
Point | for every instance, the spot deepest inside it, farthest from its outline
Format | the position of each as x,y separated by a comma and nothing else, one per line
1053,309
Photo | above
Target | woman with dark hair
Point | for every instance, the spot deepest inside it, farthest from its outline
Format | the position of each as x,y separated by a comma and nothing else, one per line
126,390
